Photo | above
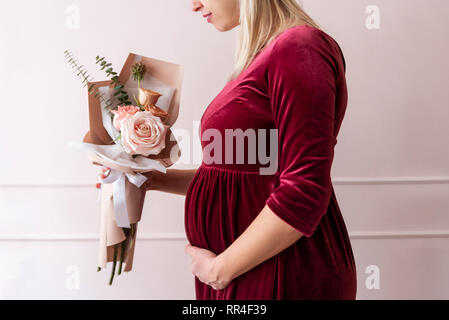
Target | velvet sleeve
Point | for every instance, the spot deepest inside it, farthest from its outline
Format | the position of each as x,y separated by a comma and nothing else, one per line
301,81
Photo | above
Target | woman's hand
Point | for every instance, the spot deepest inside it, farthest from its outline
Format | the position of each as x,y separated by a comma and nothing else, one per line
105,171
206,267
174,181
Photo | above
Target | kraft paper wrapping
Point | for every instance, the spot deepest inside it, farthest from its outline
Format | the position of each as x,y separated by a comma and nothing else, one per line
110,233
158,74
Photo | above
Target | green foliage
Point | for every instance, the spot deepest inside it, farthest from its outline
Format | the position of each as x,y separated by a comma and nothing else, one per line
82,73
121,94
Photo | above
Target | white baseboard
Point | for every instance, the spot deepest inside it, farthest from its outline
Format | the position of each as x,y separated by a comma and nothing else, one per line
336,181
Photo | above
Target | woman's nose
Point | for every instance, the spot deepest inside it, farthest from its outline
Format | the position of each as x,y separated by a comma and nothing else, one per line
196,5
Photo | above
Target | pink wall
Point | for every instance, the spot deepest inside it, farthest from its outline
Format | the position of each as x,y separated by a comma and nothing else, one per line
390,172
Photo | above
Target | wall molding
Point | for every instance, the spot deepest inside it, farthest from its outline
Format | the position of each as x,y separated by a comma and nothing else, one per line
181,236
392,180
336,181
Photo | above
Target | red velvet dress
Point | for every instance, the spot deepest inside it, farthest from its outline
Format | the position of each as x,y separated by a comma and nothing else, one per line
297,85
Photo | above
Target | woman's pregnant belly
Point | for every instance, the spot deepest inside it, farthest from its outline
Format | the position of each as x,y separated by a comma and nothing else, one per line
221,203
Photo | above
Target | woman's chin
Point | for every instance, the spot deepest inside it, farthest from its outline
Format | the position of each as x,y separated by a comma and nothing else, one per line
223,28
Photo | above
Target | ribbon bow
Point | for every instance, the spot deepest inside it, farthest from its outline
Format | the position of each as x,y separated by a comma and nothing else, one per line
118,179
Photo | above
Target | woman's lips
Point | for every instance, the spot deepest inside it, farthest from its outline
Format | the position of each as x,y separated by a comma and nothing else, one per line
208,16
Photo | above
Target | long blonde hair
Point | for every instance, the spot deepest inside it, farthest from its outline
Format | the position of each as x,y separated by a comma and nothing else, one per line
260,22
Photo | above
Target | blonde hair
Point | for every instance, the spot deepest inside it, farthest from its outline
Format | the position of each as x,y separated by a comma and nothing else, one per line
260,22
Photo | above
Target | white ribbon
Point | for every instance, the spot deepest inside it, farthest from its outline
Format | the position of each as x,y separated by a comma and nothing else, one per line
118,179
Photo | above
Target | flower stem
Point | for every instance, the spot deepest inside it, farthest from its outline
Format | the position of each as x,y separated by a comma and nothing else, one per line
114,264
131,236
122,256
118,137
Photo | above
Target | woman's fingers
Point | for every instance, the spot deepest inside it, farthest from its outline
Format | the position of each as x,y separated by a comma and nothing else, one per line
105,171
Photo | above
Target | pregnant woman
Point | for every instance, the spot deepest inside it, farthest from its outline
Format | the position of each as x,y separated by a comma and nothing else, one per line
281,235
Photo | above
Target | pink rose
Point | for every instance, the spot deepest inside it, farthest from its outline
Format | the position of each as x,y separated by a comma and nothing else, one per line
143,133
121,113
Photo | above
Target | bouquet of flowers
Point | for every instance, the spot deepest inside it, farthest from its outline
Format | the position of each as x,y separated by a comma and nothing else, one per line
131,138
